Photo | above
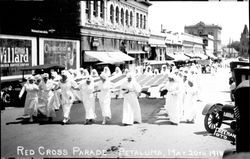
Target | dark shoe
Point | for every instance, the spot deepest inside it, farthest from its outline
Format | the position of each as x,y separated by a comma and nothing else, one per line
126,124
136,122
172,123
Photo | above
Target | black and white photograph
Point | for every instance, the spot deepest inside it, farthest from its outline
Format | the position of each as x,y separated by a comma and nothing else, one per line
125,79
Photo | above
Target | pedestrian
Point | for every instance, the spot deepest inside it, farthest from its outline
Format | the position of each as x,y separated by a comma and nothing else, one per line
94,73
131,106
31,101
88,99
56,98
47,85
104,96
148,70
67,98
190,101
172,104
164,70
106,70
117,72
156,71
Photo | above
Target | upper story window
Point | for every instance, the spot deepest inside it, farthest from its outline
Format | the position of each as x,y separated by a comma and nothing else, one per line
145,22
112,14
87,11
102,9
131,18
137,20
122,16
117,15
126,17
95,10
140,20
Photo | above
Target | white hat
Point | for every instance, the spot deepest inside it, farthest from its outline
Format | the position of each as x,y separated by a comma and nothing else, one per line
38,76
45,75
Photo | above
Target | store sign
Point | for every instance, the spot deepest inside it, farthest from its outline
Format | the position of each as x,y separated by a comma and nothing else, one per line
62,52
15,52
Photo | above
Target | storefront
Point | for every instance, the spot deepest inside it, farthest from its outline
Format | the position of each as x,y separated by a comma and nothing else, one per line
16,52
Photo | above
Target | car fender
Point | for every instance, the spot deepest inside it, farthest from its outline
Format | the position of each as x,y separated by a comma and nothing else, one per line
207,108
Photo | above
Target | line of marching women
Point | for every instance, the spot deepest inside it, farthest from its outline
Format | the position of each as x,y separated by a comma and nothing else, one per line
182,94
46,95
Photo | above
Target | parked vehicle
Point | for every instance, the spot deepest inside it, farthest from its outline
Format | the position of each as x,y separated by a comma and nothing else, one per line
10,89
217,114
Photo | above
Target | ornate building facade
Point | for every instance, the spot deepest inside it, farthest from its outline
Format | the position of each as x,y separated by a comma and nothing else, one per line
201,29
110,25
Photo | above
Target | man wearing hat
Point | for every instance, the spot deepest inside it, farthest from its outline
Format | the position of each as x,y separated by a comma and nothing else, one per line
31,101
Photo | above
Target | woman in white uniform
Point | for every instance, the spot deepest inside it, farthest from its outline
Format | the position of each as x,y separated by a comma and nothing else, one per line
67,98
87,88
148,70
47,86
31,101
117,72
106,70
190,101
173,99
104,97
94,73
56,98
131,106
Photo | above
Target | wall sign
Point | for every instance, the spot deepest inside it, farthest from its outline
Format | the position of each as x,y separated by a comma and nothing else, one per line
59,51
16,52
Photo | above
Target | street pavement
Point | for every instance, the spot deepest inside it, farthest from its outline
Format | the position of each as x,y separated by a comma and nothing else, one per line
155,137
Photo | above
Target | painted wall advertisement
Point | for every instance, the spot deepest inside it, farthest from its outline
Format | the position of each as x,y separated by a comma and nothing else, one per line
15,53
62,52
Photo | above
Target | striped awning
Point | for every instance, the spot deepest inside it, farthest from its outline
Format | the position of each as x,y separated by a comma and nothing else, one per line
107,57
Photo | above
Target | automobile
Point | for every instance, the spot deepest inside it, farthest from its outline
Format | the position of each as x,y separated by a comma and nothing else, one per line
217,114
10,89
232,79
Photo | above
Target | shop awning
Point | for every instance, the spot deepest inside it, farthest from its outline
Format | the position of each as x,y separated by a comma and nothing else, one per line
202,56
136,52
211,55
179,57
108,57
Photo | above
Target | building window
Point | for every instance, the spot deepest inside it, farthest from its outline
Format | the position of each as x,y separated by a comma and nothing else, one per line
137,20
95,10
88,12
140,20
126,19
112,14
144,23
131,18
102,9
117,15
122,16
